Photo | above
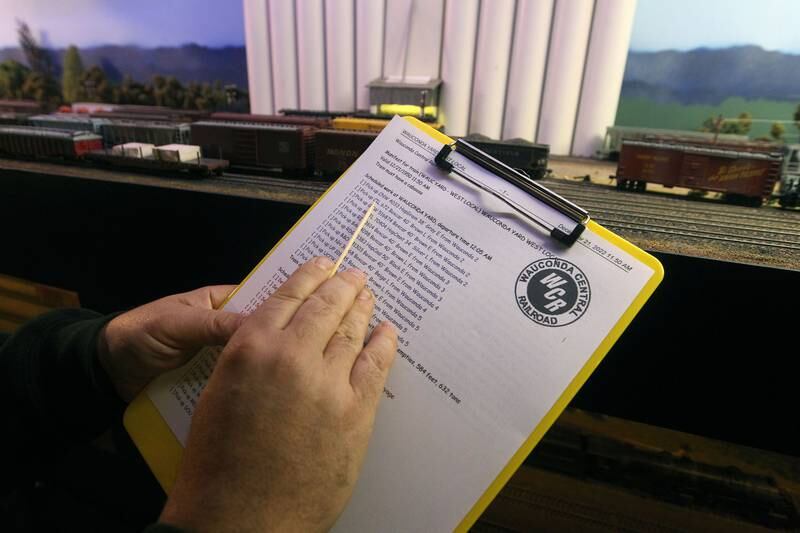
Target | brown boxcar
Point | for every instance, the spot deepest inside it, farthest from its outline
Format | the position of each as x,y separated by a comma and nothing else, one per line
119,115
746,171
336,150
267,146
139,112
27,141
291,120
21,106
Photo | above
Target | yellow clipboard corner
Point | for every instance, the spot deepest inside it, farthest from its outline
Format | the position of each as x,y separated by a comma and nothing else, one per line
158,445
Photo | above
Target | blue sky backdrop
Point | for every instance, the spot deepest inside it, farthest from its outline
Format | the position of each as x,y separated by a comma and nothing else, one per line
659,24
142,22
688,24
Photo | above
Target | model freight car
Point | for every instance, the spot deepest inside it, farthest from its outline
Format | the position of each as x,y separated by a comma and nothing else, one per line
359,124
173,159
789,194
139,111
10,118
257,146
27,107
33,142
612,142
120,115
116,132
745,173
68,122
291,120
517,153
336,150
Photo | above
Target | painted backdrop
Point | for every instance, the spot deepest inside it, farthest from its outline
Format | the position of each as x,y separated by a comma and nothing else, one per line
691,61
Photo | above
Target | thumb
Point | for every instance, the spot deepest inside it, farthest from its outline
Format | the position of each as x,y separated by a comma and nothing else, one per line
198,327
372,365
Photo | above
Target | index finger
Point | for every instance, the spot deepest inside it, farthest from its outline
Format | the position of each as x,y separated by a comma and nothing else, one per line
281,306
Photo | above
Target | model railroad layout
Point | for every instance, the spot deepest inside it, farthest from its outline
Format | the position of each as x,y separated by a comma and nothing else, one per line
654,221
698,227
293,158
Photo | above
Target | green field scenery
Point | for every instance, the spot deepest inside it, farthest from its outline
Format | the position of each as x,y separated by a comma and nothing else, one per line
643,112
690,90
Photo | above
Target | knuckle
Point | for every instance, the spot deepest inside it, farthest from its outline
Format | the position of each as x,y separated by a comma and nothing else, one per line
346,335
286,296
213,327
311,270
248,345
306,330
324,302
375,361
352,278
276,356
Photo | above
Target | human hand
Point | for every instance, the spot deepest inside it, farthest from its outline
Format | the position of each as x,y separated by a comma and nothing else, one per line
280,432
139,345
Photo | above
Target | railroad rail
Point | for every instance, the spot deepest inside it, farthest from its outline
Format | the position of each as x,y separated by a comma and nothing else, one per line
659,222
655,221
706,228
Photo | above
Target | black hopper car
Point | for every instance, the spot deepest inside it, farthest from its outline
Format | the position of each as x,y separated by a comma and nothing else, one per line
517,153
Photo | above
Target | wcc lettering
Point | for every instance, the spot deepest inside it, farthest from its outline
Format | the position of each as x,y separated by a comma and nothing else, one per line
552,292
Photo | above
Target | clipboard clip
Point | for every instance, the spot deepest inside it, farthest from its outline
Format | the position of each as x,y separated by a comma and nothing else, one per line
576,214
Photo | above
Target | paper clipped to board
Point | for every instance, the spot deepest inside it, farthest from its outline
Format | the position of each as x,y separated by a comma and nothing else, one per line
499,325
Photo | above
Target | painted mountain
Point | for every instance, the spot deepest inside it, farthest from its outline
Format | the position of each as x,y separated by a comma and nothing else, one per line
679,90
187,63
708,76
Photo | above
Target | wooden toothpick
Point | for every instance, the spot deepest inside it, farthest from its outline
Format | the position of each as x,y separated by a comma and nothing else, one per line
352,240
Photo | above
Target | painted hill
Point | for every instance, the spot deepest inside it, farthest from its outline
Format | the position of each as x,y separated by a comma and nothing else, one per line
709,76
189,62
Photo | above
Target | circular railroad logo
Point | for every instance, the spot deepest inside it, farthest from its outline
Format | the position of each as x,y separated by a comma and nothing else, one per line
552,292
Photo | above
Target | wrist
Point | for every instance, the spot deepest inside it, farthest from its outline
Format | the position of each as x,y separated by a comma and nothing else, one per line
110,356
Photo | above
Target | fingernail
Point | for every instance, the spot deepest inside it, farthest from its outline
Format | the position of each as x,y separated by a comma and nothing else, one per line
357,272
365,294
323,262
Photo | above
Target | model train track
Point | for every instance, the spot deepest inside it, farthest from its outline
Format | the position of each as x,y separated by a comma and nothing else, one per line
697,234
728,226
661,216
267,180
608,196
697,210
695,219
736,232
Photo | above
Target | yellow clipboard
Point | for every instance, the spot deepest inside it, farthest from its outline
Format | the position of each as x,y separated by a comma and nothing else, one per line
162,451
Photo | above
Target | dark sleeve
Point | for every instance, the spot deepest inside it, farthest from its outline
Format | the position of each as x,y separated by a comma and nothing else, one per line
164,528
53,392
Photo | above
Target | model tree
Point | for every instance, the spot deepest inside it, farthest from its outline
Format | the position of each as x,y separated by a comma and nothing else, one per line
130,91
95,87
12,78
739,126
40,83
777,130
72,74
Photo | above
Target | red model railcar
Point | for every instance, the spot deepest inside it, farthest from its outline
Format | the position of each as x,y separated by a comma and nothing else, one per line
41,142
746,172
